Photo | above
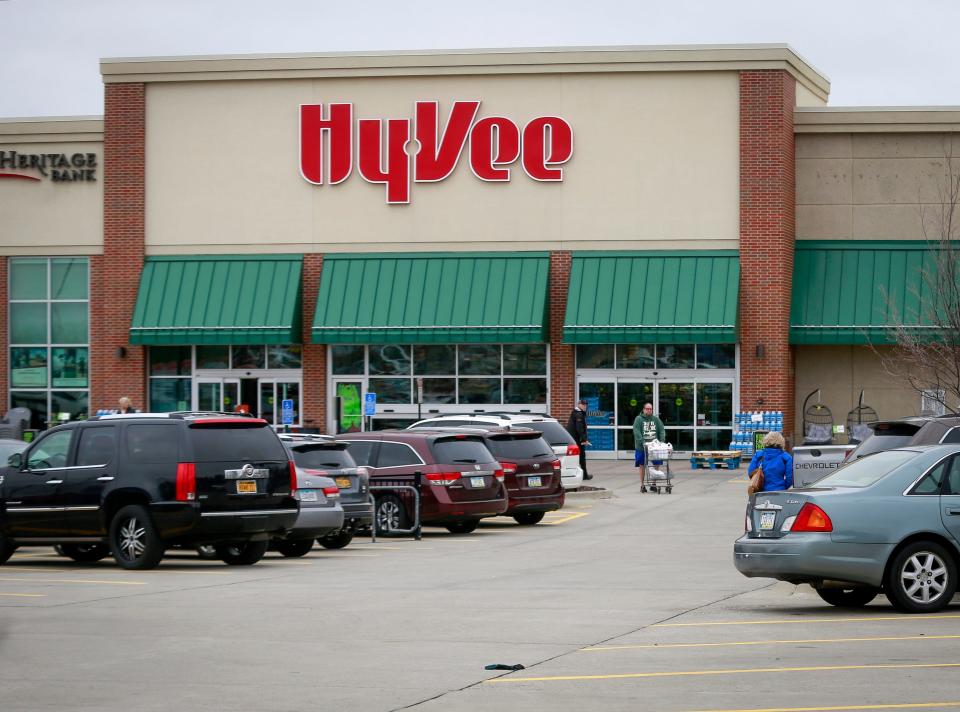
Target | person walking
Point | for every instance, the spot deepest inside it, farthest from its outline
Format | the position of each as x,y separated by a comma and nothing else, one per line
776,462
646,428
577,427
126,406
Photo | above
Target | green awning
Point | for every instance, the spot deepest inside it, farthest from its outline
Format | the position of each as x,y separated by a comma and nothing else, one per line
854,292
222,299
429,298
653,297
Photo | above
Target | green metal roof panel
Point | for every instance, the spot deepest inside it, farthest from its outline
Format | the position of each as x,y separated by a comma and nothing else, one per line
653,297
432,298
854,292
222,299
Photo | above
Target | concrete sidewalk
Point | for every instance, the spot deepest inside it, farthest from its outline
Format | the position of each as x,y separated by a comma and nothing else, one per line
621,478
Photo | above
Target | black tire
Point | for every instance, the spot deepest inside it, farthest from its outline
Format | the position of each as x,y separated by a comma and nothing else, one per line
528,519
464,527
294,548
921,578
85,553
134,540
244,553
6,549
207,552
337,540
390,514
854,597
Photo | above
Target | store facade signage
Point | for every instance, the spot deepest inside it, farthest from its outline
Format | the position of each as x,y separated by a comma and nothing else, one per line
58,167
391,152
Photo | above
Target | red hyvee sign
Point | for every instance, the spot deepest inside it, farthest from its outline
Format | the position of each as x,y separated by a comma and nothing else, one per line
388,152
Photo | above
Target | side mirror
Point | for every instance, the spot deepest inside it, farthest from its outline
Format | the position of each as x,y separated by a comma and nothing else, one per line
15,460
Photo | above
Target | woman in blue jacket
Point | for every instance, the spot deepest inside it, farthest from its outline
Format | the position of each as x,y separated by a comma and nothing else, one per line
777,464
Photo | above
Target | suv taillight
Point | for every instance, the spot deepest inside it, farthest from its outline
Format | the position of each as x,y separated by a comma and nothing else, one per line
443,478
509,468
293,476
186,482
557,467
499,474
573,450
812,519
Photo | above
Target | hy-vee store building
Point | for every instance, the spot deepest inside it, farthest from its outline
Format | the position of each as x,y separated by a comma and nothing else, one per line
470,230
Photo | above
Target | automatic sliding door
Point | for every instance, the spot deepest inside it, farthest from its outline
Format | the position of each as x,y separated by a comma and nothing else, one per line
631,395
601,417
675,406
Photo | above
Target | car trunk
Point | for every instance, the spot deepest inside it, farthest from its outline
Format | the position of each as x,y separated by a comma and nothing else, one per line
333,461
533,460
240,465
768,511
471,465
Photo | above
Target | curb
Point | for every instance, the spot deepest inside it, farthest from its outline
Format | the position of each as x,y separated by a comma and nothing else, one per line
588,492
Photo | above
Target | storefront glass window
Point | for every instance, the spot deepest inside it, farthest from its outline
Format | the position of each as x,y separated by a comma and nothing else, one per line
68,368
170,361
675,356
439,390
169,394
390,390
595,356
28,323
524,360
635,356
68,278
68,323
287,356
72,404
347,360
714,404
676,403
713,438
28,367
389,360
36,401
716,356
249,357
28,278
479,360
525,390
435,360
479,390
213,357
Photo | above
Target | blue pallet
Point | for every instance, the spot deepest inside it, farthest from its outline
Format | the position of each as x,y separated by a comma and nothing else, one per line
715,463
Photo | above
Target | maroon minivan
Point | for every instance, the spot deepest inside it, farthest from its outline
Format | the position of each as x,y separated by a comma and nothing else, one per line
462,481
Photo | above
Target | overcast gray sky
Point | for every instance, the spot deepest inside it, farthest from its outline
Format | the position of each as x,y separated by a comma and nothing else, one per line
876,53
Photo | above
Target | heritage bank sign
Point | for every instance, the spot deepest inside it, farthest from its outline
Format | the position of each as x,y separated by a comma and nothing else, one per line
397,155
57,167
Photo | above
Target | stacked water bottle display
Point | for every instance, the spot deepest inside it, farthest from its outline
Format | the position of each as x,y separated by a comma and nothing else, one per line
748,422
107,411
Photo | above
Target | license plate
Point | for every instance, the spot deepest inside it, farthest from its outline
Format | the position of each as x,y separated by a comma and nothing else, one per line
308,495
246,487
534,481
478,482
343,482
767,520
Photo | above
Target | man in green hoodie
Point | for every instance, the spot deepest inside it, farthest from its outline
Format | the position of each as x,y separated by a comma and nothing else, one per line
646,428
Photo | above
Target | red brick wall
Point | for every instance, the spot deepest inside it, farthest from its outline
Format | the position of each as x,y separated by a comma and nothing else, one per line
4,336
115,275
562,376
767,233
314,355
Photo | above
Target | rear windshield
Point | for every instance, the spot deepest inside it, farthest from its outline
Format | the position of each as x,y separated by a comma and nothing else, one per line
513,447
451,451
883,440
553,432
322,457
229,443
865,472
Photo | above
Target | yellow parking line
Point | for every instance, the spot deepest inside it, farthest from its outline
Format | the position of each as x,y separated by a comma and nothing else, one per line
568,518
46,580
768,642
900,706
25,595
805,621
744,671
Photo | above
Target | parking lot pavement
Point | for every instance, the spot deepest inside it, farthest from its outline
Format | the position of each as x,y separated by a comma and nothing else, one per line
610,604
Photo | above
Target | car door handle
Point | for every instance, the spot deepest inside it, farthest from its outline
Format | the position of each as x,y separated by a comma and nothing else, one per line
54,482
105,478
953,510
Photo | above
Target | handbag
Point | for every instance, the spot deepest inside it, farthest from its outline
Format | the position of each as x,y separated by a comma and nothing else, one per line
756,481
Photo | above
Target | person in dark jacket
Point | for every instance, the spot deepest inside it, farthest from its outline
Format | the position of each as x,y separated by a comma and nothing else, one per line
777,464
577,427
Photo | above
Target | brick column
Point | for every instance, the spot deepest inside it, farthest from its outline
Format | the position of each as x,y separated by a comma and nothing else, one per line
4,334
767,234
314,394
115,275
562,374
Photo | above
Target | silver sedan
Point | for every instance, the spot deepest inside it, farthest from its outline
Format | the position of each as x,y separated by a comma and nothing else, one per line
888,523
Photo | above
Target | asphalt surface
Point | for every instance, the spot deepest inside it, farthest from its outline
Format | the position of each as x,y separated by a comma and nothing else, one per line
629,603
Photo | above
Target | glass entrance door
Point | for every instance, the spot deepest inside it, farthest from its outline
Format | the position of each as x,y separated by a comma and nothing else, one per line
348,405
631,396
272,395
216,394
601,415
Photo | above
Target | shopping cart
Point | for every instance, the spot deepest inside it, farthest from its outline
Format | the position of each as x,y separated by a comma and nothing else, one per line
658,476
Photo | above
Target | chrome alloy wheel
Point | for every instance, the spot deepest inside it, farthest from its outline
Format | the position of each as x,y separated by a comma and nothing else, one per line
924,577
132,536
388,515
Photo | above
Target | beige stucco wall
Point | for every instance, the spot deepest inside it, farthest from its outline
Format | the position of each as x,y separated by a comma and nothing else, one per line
45,217
805,97
841,372
655,165
872,186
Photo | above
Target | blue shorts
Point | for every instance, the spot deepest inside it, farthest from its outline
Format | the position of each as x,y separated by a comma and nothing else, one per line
640,458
